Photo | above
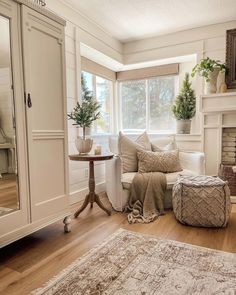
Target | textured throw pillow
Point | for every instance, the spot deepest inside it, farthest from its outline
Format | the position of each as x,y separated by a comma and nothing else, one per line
166,161
171,145
128,150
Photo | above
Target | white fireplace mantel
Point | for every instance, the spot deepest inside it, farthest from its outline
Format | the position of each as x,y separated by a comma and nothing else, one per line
219,102
218,112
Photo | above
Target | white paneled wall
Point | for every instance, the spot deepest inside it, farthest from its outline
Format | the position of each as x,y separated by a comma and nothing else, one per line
78,171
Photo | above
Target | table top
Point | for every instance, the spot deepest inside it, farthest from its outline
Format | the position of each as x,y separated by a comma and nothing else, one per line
91,157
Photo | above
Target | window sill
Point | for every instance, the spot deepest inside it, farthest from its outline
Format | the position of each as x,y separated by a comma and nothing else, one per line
101,135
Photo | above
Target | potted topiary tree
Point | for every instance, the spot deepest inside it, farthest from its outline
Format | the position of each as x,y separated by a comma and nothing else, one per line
184,107
209,69
84,114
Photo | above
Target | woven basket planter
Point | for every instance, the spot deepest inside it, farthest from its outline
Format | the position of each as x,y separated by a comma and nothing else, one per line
226,173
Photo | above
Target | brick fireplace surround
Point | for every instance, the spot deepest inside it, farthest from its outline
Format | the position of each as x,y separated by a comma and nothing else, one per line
229,146
219,133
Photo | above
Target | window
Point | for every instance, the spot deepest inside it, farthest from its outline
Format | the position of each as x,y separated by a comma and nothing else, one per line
103,92
146,104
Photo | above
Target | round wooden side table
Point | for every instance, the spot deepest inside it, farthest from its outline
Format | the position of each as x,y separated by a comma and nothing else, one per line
92,196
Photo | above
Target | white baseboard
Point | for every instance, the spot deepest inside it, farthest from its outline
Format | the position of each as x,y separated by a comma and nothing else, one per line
233,199
78,196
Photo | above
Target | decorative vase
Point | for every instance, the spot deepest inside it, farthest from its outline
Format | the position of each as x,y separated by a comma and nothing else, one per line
83,146
210,86
221,85
183,126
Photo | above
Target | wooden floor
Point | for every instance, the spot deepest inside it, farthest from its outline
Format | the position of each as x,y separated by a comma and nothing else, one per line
33,260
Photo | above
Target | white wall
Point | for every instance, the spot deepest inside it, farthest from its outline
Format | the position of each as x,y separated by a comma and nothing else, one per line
80,30
89,33
206,41
78,171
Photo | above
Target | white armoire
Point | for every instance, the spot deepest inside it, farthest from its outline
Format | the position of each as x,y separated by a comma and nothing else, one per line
33,56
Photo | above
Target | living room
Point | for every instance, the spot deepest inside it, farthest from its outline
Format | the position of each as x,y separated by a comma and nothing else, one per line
117,147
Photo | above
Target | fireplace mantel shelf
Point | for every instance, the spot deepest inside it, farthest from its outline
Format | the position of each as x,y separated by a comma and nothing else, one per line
219,102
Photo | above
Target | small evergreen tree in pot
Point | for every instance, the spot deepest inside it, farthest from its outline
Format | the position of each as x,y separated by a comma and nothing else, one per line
184,107
83,115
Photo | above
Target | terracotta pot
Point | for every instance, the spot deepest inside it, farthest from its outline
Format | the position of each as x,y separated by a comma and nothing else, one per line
183,126
211,85
83,146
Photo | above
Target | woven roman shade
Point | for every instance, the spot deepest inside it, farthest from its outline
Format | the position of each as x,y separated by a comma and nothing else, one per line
138,74
92,67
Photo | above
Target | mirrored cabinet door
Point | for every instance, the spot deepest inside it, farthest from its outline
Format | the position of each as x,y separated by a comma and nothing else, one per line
14,192
9,193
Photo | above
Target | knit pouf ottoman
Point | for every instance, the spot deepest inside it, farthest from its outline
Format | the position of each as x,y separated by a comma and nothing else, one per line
201,201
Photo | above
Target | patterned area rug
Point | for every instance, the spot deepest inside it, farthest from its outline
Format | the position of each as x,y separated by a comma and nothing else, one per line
132,263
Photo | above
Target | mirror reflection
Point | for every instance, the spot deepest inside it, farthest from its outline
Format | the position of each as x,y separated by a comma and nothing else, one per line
9,200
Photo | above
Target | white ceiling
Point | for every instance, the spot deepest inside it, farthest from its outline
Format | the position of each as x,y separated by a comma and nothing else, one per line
128,20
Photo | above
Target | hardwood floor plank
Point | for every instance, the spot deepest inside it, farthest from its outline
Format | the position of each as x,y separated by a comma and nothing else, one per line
7,275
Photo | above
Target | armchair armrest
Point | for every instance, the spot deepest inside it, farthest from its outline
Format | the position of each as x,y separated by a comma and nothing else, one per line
194,161
113,182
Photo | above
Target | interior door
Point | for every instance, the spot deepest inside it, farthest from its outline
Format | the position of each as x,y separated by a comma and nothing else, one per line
44,64
14,196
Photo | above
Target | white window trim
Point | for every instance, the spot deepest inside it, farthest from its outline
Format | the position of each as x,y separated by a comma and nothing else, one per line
112,90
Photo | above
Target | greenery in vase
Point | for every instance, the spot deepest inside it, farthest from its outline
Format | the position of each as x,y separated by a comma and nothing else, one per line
184,107
87,111
207,66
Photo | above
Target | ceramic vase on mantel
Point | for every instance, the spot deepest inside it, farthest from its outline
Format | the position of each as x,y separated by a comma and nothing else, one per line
211,85
183,126
221,85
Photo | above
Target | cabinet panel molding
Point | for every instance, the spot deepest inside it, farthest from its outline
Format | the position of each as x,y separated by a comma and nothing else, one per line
46,122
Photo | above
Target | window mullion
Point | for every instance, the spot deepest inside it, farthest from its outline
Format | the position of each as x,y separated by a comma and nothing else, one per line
95,95
120,102
147,105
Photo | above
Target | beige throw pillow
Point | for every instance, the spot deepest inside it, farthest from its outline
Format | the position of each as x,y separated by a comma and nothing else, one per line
166,161
168,147
128,150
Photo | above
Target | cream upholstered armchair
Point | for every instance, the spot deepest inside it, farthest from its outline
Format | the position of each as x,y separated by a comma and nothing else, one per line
118,183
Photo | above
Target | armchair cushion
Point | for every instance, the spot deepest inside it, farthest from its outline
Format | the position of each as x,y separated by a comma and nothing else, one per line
171,178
